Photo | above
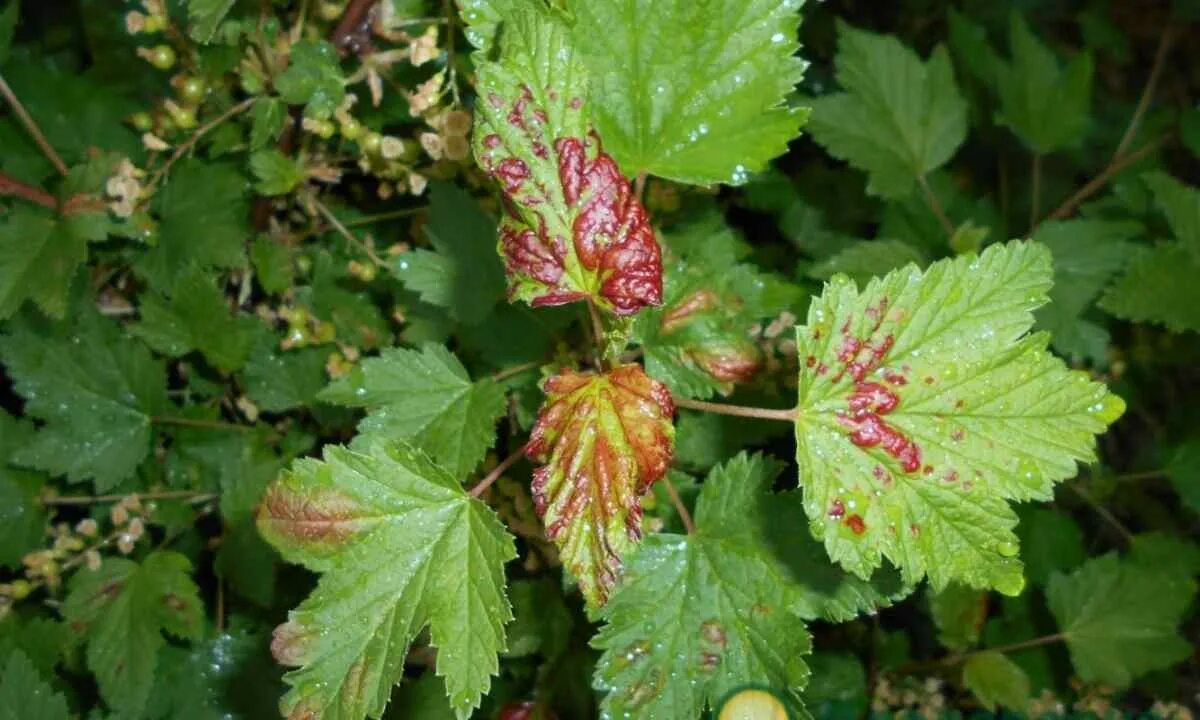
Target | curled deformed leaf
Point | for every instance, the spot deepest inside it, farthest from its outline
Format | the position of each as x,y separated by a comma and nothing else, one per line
572,228
604,439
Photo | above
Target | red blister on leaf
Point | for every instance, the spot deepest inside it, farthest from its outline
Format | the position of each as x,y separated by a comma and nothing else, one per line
604,439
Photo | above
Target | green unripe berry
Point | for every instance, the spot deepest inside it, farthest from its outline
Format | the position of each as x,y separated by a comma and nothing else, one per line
153,24
298,317
326,333
183,117
142,121
162,57
21,589
192,89
371,142
323,129
304,264
331,10
351,129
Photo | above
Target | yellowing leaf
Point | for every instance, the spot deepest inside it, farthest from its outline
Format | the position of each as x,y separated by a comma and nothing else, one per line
605,440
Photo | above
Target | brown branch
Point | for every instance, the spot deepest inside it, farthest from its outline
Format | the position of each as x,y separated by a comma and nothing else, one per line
353,31
350,237
1103,512
496,472
959,658
1071,204
196,423
684,515
32,127
189,495
16,188
506,373
1160,60
738,410
936,206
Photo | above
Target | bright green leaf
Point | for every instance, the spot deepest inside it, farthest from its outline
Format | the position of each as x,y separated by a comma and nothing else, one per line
122,609
1046,105
695,92
898,118
313,79
272,264
267,119
400,547
195,317
996,681
95,389
424,396
698,615
1120,619
205,16
924,406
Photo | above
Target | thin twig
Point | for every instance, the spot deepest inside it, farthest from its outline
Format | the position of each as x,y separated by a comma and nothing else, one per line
1160,60
344,232
1035,192
1095,184
366,220
197,423
201,131
1143,475
496,472
684,515
32,127
189,495
788,416
959,658
16,188
506,373
936,206
1103,512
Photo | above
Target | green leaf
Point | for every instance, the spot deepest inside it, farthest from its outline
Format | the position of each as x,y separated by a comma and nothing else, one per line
694,92
996,681
267,119
277,173
96,392
400,546
122,609
424,396
1181,204
8,25
357,318
205,16
898,118
541,621
864,260
22,516
1046,105
1120,619
205,222
41,251
1087,254
272,264
313,79
464,275
924,407
24,695
1166,553
195,317
1183,470
423,698
959,613
226,676
1159,287
699,615
42,640
1051,542
281,380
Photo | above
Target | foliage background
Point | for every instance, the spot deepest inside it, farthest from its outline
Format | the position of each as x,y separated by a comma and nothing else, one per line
192,341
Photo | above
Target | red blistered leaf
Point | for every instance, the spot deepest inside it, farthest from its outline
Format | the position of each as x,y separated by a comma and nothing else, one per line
572,228
604,439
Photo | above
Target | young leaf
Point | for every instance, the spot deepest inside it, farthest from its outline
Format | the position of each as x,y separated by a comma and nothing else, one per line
699,615
464,275
205,16
996,681
95,390
400,547
277,173
312,79
1047,106
898,118
924,406
695,92
426,397
572,228
24,695
121,609
959,613
1120,619
604,439
267,117
195,317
